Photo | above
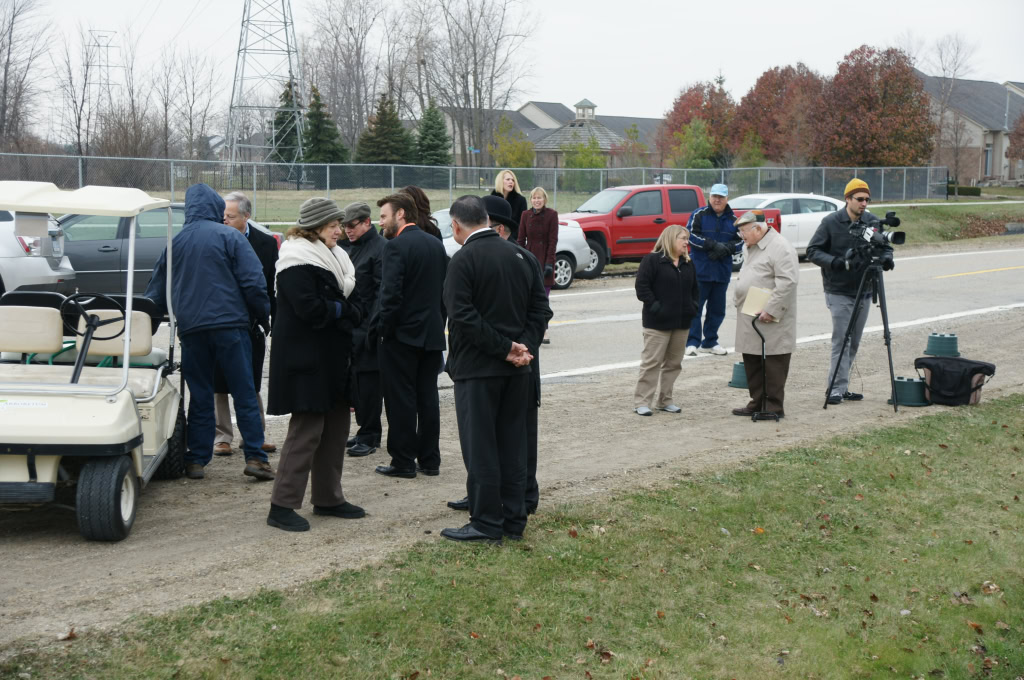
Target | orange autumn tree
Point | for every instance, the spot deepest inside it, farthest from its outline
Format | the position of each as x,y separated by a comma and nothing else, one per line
710,102
873,112
778,110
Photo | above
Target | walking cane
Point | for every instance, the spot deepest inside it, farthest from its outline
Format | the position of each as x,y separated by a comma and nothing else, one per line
764,413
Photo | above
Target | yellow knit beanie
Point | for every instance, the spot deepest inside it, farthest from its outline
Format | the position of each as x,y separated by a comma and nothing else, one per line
856,185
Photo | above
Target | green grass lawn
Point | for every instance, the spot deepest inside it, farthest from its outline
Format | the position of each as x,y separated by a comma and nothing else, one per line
896,553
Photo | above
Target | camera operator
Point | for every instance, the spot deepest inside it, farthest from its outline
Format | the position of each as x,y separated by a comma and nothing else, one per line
843,260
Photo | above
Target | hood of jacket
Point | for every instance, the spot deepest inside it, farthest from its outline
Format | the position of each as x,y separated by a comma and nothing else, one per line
203,203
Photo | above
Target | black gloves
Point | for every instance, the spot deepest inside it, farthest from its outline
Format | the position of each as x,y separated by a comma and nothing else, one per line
719,251
887,262
839,264
655,307
548,270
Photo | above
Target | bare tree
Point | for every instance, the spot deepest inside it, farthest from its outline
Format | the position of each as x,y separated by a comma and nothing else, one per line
73,68
194,103
951,57
22,43
165,92
128,126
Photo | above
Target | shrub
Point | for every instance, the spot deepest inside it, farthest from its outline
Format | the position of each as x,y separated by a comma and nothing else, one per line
962,191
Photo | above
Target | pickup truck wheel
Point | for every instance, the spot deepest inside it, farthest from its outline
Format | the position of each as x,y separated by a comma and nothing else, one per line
737,261
107,498
597,260
565,269
173,464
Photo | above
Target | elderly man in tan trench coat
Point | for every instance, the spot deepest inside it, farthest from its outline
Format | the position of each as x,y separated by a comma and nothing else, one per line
770,264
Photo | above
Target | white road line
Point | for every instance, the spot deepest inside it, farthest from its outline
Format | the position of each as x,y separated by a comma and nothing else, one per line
602,368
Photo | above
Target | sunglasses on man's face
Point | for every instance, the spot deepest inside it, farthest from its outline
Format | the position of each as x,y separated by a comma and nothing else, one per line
862,199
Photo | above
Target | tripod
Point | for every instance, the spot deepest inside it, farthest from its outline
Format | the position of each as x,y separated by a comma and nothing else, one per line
873,275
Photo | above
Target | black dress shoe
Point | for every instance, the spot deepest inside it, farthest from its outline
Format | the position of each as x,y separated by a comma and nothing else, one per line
834,399
351,442
743,411
286,518
852,396
359,449
429,472
460,504
392,471
346,510
469,534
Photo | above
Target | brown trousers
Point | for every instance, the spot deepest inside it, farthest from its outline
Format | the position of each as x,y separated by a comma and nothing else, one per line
776,370
315,443
661,361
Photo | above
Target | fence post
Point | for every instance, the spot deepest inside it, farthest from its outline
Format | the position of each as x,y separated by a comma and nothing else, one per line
643,175
882,197
328,180
822,181
79,172
172,181
392,178
723,176
792,179
684,177
451,184
904,184
556,188
600,180
254,184
759,180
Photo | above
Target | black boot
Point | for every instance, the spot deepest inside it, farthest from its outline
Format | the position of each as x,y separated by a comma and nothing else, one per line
287,519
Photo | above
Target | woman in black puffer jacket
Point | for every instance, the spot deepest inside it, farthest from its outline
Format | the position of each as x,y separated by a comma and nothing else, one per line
666,283
507,186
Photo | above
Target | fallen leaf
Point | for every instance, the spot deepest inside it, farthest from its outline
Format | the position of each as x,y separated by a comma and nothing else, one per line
858,497
590,644
70,635
588,619
573,533
988,588
755,567
607,656
1002,626
415,674
969,542
661,614
977,627
943,446
473,635
588,676
874,598
758,530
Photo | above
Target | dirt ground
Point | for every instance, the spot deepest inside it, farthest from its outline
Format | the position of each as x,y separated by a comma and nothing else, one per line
198,540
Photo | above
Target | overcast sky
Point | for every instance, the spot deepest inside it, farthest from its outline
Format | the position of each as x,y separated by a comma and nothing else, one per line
629,57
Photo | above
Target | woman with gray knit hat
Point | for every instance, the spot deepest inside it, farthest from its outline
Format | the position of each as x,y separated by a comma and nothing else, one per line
309,365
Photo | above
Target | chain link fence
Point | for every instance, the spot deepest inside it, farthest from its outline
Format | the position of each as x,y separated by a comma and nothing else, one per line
278,189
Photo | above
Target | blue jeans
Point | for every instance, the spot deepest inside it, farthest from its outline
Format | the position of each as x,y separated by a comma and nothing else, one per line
230,350
712,293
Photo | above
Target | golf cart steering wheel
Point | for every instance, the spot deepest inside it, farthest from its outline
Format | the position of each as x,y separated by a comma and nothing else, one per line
84,313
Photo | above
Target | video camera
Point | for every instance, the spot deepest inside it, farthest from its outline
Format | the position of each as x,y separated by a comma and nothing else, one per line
874,235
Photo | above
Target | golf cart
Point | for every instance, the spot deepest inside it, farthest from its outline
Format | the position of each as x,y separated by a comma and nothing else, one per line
85,399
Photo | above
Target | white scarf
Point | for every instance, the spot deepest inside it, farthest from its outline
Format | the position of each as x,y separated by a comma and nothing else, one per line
298,251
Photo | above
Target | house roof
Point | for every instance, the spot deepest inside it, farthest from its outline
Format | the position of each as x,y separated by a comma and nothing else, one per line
648,127
577,131
585,103
560,112
982,101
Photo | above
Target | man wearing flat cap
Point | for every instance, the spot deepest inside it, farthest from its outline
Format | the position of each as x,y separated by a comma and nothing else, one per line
840,276
714,241
365,248
770,264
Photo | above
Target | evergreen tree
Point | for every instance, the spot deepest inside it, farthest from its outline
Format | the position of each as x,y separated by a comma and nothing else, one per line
285,131
321,139
385,140
433,145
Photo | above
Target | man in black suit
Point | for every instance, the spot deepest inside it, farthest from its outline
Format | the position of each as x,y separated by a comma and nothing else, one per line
237,210
497,309
499,216
410,324
365,249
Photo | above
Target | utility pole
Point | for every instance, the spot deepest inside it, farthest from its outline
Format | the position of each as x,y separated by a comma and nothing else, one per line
268,61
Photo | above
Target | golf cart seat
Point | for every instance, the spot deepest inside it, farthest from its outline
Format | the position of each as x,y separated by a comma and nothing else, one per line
68,353
36,330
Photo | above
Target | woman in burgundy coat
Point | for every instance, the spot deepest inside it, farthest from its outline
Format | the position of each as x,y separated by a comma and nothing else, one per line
538,233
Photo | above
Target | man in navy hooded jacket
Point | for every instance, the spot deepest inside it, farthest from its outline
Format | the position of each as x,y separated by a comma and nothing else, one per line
219,289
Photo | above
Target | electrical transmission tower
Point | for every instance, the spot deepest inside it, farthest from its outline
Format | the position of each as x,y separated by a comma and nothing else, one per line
267,63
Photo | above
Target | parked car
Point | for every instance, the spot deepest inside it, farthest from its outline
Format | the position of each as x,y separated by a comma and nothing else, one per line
97,246
572,254
800,214
622,224
32,262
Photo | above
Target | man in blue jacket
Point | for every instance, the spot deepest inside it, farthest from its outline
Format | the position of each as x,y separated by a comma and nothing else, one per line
714,241
218,286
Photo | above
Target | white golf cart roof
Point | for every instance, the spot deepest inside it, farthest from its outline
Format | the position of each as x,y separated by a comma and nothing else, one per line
45,197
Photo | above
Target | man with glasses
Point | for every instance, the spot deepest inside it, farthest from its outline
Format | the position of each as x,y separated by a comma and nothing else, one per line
830,249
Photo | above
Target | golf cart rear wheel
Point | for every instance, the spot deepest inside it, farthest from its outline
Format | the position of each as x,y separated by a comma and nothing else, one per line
107,498
173,464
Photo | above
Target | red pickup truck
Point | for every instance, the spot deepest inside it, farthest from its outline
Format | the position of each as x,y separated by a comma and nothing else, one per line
621,224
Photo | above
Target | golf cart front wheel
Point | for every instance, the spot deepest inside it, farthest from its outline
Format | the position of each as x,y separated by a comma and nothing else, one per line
107,498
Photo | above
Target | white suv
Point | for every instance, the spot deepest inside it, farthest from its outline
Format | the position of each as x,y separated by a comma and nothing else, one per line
32,262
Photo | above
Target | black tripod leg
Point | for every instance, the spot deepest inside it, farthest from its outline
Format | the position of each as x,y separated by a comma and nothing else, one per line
888,337
848,335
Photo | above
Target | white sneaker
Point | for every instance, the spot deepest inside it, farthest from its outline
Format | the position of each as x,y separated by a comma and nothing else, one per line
691,351
719,350
671,408
643,411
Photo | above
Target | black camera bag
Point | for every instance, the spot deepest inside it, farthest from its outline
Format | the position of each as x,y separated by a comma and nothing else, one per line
953,381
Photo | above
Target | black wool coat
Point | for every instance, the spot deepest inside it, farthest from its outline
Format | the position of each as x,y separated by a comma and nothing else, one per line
670,294
365,253
518,203
311,353
409,309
